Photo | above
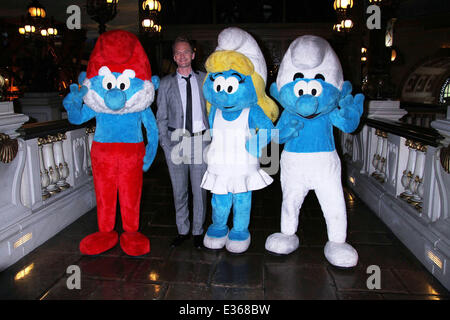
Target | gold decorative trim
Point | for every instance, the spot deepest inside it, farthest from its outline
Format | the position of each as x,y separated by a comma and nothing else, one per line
90,130
445,158
61,136
416,145
380,133
8,148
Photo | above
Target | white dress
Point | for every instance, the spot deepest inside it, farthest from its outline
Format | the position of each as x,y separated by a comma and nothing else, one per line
230,167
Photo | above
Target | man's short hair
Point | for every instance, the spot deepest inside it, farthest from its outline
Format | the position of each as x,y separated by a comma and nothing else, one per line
182,38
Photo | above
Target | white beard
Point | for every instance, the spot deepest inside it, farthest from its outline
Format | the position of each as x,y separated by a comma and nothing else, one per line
141,100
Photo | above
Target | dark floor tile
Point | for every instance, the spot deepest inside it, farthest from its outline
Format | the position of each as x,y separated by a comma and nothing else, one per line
420,282
312,233
108,268
370,238
258,241
180,291
394,296
60,290
114,252
386,257
159,247
34,274
64,243
159,231
153,270
355,279
188,252
359,296
119,290
292,282
303,256
264,223
244,270
186,272
164,217
149,271
83,226
365,221
232,293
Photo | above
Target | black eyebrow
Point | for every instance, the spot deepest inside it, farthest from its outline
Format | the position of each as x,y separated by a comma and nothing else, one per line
238,75
211,76
319,76
298,75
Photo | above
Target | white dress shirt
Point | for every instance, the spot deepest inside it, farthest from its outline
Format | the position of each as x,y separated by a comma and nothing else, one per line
197,115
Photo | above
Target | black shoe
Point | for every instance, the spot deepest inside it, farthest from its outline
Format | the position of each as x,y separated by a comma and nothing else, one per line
179,240
198,241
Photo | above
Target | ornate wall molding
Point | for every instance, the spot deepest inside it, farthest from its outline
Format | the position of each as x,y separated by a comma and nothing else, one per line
8,148
445,158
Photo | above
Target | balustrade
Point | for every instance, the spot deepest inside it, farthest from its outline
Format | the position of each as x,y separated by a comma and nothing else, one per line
404,178
46,183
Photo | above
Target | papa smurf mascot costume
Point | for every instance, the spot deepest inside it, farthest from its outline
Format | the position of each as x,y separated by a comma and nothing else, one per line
235,90
310,87
117,91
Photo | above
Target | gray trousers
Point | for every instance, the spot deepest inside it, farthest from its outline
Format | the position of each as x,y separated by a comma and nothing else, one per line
185,160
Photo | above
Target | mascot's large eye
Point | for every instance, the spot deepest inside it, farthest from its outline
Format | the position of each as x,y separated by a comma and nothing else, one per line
123,82
301,88
231,85
219,84
109,82
314,88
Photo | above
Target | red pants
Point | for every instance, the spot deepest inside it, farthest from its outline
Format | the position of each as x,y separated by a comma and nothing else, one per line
117,167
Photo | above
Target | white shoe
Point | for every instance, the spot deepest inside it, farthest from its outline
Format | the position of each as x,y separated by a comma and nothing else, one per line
281,243
341,254
238,246
214,243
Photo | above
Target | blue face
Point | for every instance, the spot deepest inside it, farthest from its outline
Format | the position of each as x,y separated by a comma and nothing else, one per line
309,98
230,90
116,88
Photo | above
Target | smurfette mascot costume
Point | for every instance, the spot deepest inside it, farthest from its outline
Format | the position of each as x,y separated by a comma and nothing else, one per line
311,89
235,90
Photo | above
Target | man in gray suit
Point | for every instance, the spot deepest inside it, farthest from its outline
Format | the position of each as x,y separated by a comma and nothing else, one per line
182,122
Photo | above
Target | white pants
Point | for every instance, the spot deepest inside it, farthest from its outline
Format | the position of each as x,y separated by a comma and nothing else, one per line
318,171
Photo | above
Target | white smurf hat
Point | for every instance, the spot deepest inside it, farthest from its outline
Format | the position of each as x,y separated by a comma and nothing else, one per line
241,41
310,55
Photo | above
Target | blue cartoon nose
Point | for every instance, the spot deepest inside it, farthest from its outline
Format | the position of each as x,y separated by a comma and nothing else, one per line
307,105
115,99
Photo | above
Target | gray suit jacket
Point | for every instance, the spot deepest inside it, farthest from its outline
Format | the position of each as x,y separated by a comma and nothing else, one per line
170,108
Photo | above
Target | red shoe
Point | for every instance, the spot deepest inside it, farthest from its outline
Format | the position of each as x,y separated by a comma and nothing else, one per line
134,243
98,242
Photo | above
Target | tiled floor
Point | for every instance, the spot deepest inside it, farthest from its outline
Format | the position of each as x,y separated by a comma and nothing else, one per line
188,273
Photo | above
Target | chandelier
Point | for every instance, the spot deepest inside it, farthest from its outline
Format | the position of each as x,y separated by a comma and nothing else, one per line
35,22
102,11
150,16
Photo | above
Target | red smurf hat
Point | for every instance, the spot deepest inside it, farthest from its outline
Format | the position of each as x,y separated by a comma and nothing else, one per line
119,50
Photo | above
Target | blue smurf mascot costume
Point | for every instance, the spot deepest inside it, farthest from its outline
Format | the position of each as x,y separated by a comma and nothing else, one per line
311,88
235,90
